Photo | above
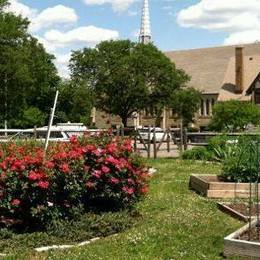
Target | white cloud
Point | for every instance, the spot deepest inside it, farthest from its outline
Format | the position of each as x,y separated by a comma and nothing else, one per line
59,42
57,15
89,35
49,17
62,62
21,9
243,37
117,5
238,18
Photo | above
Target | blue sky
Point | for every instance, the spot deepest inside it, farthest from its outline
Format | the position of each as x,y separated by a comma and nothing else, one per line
63,25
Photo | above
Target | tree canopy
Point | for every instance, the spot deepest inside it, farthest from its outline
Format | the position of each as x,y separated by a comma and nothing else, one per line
234,115
185,103
28,76
126,77
75,103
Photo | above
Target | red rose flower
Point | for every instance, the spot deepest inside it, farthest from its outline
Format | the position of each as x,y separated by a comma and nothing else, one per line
43,184
114,180
33,176
144,189
49,164
65,168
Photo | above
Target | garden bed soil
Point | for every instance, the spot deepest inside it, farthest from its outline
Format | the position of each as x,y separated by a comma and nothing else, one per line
237,243
212,186
238,210
253,235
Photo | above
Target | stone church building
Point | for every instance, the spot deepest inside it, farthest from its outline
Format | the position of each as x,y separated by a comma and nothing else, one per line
220,73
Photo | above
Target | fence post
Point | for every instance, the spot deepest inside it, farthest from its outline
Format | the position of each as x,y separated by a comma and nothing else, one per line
168,139
35,132
154,144
149,142
135,140
185,141
117,131
181,137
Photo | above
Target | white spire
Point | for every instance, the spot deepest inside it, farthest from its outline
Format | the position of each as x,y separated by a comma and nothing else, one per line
145,32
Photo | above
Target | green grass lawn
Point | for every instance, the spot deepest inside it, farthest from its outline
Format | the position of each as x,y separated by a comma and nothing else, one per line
176,223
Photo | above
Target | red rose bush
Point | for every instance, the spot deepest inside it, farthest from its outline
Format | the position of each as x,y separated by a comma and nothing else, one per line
88,173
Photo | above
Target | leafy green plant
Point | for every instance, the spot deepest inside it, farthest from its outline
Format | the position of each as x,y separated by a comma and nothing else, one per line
242,164
234,115
222,147
197,153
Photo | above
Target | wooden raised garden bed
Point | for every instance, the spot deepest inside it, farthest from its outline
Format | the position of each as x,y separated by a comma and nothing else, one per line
212,186
237,244
239,211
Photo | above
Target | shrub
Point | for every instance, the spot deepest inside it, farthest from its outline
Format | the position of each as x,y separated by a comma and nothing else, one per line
234,115
221,147
242,165
75,177
197,153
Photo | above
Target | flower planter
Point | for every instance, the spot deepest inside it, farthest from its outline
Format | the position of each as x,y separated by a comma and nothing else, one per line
234,245
212,186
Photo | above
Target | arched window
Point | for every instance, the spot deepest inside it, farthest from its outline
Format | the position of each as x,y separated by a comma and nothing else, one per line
202,107
207,107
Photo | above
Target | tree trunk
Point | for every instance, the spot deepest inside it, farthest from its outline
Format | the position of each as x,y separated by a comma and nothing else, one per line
124,121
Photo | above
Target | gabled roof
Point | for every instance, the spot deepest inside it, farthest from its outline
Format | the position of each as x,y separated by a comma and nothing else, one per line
251,70
251,87
212,70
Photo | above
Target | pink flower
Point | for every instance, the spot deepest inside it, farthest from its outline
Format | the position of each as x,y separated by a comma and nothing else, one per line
105,169
33,176
114,180
127,146
43,184
112,160
130,181
127,190
15,202
97,174
97,152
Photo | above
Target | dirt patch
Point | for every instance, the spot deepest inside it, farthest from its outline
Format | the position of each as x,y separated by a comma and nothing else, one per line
243,208
252,235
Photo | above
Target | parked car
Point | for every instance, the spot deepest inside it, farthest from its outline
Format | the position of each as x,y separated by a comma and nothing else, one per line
60,132
159,134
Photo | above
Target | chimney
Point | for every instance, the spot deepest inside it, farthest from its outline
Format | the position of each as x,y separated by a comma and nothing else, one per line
239,70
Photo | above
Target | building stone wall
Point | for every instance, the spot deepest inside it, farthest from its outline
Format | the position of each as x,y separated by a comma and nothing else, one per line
167,119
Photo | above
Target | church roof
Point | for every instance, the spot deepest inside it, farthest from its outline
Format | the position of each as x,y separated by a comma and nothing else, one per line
212,70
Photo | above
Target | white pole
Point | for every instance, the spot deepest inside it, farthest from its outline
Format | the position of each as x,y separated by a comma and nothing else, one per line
6,128
50,122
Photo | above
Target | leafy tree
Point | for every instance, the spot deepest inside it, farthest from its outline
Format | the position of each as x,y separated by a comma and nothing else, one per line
28,75
75,103
33,116
234,115
126,77
185,103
